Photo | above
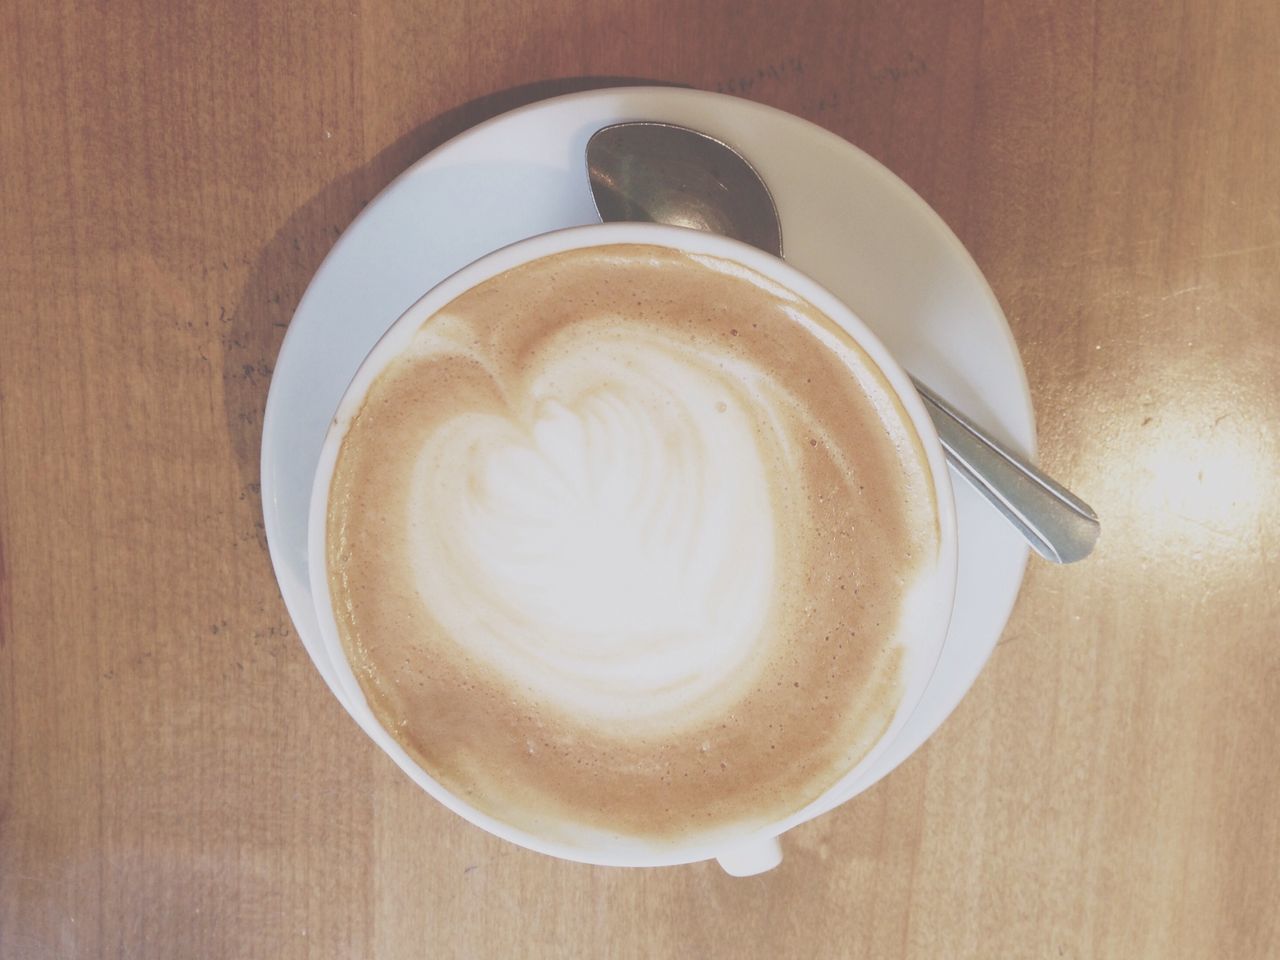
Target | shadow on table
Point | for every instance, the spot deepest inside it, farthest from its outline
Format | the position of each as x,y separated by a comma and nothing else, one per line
254,329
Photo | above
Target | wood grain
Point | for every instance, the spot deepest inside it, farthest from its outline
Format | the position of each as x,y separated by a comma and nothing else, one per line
175,780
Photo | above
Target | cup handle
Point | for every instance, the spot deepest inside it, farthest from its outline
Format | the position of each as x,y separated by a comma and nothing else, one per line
751,857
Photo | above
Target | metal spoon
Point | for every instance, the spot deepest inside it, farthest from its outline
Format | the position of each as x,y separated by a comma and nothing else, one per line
662,173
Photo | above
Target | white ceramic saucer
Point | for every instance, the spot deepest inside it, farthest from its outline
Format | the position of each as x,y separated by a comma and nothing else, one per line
846,221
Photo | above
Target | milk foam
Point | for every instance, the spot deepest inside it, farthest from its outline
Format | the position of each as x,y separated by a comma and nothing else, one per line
619,545
610,543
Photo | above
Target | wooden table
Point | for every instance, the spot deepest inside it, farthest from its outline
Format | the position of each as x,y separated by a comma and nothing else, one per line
175,779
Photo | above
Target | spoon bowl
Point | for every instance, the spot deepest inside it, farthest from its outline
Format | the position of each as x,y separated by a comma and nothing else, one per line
656,173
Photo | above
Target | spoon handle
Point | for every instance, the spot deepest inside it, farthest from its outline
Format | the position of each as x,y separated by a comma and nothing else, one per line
1059,525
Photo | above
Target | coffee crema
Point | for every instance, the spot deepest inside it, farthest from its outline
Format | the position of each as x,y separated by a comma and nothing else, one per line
618,547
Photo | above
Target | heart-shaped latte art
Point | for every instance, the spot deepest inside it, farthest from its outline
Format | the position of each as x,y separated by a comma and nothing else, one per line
610,543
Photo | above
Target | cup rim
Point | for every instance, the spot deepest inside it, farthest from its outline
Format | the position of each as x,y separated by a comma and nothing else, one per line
398,336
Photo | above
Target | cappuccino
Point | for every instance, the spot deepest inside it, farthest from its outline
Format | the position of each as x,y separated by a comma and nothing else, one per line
619,546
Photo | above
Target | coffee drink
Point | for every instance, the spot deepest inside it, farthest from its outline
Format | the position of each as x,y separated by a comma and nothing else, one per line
619,547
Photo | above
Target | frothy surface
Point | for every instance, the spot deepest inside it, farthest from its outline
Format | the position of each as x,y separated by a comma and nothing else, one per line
620,542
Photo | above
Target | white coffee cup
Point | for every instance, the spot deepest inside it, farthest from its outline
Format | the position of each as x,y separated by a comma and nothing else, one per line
925,620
